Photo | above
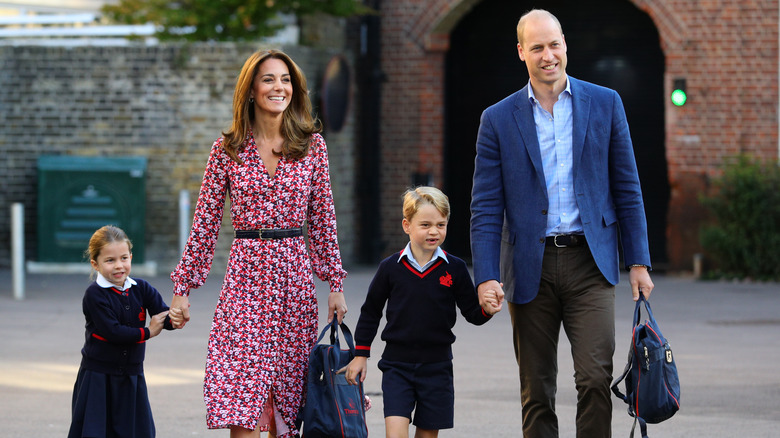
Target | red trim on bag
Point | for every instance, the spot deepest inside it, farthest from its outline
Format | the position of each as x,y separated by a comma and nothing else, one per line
636,357
336,400
677,402
639,366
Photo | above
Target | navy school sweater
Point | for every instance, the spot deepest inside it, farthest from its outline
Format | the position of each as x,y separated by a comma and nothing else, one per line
420,310
116,329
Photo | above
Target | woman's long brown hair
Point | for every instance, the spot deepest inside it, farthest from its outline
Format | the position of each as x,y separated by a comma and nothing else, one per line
298,123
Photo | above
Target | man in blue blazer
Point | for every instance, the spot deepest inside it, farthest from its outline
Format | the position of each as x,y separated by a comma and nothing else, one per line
555,186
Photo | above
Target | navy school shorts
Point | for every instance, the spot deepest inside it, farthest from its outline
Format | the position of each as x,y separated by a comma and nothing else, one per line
425,388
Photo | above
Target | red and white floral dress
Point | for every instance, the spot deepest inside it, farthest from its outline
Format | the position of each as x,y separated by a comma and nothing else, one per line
265,322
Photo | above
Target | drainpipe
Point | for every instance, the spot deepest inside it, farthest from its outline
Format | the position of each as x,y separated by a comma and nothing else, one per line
370,78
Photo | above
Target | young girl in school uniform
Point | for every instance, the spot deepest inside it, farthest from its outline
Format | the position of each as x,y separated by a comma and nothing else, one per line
110,397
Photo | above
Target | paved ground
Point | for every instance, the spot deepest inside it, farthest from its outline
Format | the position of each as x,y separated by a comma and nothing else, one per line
726,338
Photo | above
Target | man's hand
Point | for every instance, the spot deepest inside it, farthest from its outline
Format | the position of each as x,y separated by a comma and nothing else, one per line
489,292
491,306
640,281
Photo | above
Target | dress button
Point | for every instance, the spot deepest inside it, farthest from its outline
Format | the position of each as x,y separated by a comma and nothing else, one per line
544,212
541,240
127,307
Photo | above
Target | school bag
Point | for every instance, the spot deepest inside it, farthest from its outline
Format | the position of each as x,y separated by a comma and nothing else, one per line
333,408
651,380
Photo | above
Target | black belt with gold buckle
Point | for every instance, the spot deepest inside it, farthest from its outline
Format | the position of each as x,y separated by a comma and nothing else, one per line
268,233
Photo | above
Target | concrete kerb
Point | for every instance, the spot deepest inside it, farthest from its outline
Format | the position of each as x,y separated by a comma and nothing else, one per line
724,336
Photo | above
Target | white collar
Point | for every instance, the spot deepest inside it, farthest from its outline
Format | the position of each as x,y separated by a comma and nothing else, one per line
104,283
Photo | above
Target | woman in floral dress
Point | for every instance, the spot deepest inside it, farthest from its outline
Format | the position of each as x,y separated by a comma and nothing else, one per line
273,163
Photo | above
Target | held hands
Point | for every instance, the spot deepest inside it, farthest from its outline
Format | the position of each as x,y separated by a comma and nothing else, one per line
179,311
491,296
156,324
491,305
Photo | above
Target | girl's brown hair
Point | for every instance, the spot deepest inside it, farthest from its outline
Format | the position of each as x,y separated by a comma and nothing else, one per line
298,123
105,236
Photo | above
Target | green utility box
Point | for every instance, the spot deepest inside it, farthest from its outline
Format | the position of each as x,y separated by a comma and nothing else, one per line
78,195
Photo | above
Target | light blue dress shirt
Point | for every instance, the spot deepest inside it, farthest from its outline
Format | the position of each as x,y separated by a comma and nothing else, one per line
554,132
439,253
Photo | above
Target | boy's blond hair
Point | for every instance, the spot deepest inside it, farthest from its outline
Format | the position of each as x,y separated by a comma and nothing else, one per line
418,196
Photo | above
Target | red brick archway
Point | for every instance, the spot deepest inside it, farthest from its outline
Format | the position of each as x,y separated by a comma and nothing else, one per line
727,51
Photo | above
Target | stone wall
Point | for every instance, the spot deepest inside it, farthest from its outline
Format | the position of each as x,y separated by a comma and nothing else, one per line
165,102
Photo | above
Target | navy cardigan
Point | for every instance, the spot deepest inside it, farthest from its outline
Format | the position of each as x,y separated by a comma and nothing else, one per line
116,329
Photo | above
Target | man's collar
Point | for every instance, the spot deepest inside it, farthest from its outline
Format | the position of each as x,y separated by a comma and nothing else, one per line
532,97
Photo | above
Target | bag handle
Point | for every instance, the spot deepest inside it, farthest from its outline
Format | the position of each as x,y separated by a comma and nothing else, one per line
638,310
334,338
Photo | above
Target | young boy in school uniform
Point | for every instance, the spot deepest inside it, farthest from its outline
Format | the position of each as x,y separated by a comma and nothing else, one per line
422,286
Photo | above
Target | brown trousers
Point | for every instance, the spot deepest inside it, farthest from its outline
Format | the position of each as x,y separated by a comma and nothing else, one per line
574,294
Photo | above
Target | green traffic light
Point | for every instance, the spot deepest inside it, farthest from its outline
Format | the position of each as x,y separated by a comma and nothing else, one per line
679,97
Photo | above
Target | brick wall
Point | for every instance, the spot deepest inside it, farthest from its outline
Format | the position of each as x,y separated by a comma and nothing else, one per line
76,101
732,100
726,49
167,103
412,108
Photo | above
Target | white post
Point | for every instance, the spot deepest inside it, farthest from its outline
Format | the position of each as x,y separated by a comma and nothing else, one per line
698,262
184,218
17,249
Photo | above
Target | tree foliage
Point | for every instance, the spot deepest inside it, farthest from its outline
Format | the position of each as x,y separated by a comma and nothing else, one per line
744,238
222,20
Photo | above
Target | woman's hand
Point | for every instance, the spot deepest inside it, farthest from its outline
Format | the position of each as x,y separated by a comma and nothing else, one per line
336,304
179,311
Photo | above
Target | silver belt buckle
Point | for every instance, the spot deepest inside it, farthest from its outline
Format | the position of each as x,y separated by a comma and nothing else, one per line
260,234
555,241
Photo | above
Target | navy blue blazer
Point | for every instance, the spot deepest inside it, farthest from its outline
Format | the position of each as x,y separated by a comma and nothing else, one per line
510,195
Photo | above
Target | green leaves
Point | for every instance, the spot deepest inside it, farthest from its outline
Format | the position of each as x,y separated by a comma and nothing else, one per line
222,20
744,239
